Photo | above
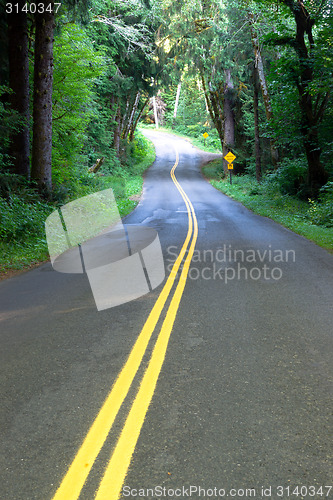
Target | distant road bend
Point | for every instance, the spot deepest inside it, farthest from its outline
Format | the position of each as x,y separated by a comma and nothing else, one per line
216,384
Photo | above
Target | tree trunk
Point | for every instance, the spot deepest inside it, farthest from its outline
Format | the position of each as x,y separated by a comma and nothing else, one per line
208,103
263,84
155,112
317,176
200,90
117,131
176,104
134,108
229,119
137,119
217,118
256,123
19,83
41,168
311,115
214,99
123,121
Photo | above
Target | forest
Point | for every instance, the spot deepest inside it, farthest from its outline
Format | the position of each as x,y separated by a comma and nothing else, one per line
80,80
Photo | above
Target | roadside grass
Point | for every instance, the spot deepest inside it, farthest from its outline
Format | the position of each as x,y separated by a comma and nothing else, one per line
264,199
22,237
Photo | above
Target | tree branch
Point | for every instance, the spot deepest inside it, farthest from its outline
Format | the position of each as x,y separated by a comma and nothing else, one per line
320,113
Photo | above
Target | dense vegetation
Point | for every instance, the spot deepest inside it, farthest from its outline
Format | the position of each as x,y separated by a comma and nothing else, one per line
78,77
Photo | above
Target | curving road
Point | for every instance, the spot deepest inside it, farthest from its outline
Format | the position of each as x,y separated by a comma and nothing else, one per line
217,384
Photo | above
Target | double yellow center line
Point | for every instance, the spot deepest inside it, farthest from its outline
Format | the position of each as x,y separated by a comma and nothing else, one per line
112,481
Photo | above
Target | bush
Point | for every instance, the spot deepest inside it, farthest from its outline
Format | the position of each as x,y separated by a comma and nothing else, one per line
290,177
326,192
20,220
10,122
321,212
136,149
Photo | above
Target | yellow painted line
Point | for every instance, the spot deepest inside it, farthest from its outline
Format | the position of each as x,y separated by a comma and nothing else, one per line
73,482
114,476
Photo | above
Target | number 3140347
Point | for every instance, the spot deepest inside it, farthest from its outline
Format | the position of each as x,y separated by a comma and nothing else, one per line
33,8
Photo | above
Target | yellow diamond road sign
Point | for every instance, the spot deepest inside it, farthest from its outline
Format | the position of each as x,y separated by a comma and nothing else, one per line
205,135
230,157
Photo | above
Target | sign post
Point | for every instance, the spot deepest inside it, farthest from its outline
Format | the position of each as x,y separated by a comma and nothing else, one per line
230,157
230,167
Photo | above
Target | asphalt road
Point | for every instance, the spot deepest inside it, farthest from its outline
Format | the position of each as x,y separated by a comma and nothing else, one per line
234,402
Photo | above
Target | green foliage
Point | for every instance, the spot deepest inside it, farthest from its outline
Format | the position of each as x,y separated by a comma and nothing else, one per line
290,177
137,148
99,140
16,185
22,213
77,66
10,122
321,212
22,217
285,125
20,220
191,114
